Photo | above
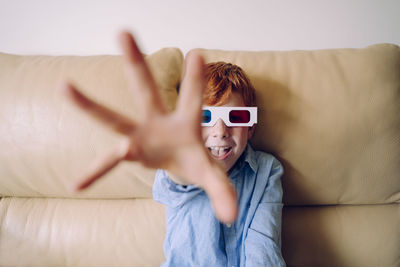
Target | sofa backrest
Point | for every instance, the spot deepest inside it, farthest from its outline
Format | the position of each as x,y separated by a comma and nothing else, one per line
46,142
332,117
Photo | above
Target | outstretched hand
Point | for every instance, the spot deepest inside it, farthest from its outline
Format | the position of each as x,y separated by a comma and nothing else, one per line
159,139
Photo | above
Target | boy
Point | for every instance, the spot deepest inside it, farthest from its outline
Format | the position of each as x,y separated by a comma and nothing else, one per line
194,236
173,142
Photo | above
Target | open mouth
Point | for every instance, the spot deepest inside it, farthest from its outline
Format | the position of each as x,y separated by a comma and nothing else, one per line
220,152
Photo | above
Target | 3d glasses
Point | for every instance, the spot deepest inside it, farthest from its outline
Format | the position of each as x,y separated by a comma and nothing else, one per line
231,116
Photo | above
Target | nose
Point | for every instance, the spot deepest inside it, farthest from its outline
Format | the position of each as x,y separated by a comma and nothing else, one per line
220,130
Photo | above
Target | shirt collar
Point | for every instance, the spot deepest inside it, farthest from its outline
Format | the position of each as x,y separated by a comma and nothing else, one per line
248,157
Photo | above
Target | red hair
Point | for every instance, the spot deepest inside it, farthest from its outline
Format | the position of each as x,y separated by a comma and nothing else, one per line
223,79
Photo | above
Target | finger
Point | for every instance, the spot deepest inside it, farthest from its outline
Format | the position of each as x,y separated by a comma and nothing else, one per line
102,166
110,118
193,85
139,77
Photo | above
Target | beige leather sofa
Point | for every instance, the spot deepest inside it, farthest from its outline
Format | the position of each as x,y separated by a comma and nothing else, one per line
331,116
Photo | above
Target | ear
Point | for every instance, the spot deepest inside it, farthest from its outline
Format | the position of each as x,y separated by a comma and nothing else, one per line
251,132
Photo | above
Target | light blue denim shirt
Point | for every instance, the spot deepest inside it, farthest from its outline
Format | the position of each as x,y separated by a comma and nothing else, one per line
195,237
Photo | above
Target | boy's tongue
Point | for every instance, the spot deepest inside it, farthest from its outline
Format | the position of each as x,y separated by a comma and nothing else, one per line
219,152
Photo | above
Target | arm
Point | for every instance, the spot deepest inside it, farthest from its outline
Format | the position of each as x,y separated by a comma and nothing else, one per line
177,135
172,194
263,240
176,179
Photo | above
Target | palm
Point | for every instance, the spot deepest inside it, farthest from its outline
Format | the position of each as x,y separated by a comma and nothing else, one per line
170,141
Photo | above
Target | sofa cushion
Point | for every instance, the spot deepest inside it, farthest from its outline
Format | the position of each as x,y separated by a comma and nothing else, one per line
46,142
342,235
332,118
81,232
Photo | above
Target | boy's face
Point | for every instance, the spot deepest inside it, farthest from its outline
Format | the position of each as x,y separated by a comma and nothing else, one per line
226,144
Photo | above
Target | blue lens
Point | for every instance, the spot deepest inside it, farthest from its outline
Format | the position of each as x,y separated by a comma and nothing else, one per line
206,116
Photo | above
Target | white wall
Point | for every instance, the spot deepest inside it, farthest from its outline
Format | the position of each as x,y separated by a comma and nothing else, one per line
86,27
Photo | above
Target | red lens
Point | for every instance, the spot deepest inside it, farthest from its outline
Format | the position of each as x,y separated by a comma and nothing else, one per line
239,116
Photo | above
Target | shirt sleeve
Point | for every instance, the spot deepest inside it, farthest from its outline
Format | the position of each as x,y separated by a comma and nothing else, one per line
167,192
263,239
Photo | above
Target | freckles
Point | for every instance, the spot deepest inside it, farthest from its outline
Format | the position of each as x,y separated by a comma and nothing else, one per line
241,134
204,133
239,131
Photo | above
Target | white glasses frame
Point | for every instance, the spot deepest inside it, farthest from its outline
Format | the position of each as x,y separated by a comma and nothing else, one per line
223,113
